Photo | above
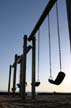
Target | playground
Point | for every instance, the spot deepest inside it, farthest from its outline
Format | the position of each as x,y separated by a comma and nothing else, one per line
32,43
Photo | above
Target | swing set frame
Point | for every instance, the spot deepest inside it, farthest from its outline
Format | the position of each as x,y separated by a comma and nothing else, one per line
31,37
46,11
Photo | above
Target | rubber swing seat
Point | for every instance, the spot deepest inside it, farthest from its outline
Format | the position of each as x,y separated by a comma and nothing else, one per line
58,79
18,85
36,83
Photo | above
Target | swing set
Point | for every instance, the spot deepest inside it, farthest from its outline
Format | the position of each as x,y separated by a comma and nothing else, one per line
31,37
61,74
37,83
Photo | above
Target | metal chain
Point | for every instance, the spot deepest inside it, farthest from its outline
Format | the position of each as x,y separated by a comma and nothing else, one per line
49,46
38,54
58,35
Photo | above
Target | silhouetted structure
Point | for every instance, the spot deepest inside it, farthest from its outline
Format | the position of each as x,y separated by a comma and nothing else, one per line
68,4
19,61
46,11
23,79
22,59
14,75
9,79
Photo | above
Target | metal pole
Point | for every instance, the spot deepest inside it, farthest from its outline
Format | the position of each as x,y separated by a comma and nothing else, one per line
42,18
9,80
20,76
68,4
24,68
14,75
33,66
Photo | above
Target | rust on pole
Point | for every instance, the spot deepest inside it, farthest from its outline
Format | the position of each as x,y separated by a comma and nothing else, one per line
33,66
23,79
9,82
14,75
42,18
68,4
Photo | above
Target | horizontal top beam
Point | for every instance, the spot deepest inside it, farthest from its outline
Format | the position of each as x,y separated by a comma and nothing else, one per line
42,18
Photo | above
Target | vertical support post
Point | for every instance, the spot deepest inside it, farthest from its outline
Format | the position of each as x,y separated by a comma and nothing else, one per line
33,66
14,75
20,77
23,86
68,4
9,82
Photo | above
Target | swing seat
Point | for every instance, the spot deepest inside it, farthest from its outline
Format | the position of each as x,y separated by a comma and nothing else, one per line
58,79
13,89
36,83
18,85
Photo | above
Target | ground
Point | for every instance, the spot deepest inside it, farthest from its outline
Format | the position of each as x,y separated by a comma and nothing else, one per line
41,101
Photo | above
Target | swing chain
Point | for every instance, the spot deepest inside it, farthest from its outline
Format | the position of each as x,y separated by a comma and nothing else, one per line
58,35
38,54
49,47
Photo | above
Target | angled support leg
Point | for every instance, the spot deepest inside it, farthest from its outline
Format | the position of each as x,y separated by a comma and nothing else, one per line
9,82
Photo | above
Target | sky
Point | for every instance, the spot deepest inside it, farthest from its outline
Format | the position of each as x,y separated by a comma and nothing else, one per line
17,18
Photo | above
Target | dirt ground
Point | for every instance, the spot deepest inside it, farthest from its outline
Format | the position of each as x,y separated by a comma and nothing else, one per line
47,101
